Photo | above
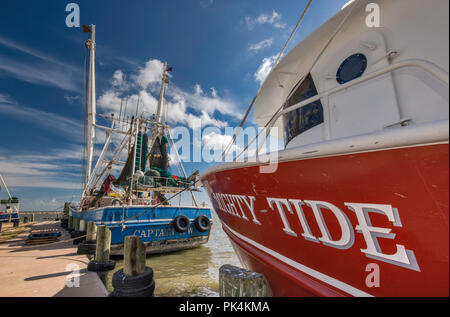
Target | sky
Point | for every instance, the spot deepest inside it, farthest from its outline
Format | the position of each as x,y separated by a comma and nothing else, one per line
220,51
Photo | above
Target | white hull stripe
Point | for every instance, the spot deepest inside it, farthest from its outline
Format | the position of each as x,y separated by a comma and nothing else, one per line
138,221
320,276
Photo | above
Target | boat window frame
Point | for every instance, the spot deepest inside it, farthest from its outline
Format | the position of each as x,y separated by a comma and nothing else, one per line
304,90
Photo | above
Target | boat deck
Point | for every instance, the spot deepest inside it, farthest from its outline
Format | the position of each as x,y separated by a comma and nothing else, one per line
42,270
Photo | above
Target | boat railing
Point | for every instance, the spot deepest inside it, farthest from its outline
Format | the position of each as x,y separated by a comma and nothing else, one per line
428,67
11,201
157,182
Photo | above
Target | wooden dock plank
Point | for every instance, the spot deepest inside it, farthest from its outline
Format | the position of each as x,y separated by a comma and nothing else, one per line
43,270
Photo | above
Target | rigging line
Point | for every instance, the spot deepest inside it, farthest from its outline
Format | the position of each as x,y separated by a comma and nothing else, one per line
254,99
338,29
181,165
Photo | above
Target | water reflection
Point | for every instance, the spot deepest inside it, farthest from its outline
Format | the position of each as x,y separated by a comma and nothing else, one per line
192,272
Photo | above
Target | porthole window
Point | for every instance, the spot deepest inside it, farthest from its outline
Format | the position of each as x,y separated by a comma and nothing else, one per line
352,68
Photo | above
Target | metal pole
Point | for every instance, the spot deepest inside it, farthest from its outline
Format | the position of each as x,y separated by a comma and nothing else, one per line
91,106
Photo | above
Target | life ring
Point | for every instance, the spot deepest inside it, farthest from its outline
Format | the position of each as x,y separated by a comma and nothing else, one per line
181,224
202,223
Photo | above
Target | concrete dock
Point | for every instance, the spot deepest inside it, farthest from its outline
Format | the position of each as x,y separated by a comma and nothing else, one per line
48,270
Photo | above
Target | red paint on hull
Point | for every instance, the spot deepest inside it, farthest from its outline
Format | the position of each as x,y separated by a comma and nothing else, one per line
413,180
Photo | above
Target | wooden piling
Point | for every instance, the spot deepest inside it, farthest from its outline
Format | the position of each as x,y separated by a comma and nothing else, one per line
76,224
238,282
1,224
91,231
82,225
103,246
16,223
134,256
9,217
70,223
66,210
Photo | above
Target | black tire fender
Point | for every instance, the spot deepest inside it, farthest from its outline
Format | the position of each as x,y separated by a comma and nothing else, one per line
181,223
95,266
202,223
123,283
147,291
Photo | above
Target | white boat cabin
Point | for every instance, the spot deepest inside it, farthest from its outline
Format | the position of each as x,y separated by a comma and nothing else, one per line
365,79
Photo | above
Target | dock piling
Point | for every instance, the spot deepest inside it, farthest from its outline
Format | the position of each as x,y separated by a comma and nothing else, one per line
70,224
88,246
135,279
134,256
102,263
238,282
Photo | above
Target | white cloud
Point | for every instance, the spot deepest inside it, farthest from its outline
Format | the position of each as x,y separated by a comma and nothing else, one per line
51,121
182,105
216,141
118,78
274,19
56,168
72,99
150,74
264,69
260,45
35,53
40,74
5,99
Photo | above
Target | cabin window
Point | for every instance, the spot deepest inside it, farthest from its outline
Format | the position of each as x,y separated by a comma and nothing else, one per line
305,118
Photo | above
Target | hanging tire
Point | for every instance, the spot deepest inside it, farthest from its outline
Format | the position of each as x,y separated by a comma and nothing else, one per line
181,224
128,283
141,292
95,266
202,223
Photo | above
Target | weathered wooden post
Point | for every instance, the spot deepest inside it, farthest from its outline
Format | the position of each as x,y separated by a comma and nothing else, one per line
70,223
1,224
238,282
32,217
91,232
16,223
76,224
134,256
135,279
102,263
9,217
89,245
66,209
25,219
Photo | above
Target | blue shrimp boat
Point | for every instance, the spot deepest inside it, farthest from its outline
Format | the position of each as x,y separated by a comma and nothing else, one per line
9,208
140,201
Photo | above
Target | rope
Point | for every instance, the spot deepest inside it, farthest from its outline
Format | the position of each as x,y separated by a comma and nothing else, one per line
225,152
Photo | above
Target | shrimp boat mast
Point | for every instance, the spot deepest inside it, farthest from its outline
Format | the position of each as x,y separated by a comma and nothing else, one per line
357,201
137,202
9,208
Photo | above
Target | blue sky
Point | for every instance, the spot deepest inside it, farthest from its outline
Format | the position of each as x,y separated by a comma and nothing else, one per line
220,51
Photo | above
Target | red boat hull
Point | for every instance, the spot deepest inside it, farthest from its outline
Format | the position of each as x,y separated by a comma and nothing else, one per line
376,222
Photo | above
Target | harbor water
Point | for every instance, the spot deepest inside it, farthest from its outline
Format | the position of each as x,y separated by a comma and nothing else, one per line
193,272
